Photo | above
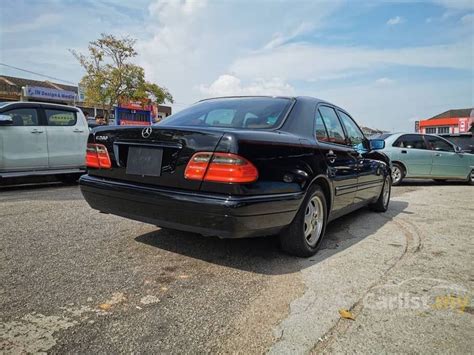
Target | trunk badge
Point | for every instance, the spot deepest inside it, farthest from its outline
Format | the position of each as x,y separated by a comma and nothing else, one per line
146,132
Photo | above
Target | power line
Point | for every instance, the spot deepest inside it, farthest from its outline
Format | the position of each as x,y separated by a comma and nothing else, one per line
39,74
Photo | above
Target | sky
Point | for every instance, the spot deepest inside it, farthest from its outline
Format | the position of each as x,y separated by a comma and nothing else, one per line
388,63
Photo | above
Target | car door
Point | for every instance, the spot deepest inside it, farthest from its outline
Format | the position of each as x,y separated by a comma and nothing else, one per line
23,144
67,137
447,163
340,158
412,151
370,178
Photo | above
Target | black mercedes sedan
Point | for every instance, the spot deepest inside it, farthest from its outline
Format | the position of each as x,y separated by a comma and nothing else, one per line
238,167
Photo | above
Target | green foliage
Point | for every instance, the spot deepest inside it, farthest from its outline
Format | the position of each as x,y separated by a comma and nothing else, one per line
111,78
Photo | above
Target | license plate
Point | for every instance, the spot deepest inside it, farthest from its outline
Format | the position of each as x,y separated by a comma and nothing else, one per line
144,161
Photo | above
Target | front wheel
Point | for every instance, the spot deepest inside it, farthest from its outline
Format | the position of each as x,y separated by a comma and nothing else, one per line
304,235
381,205
470,178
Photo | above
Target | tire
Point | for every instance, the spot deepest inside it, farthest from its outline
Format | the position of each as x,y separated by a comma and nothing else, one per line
470,178
381,205
398,174
311,218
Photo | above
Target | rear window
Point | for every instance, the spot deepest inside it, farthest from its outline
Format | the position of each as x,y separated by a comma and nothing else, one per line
246,113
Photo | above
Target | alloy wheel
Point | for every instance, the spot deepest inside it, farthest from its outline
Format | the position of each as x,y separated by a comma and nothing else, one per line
396,174
313,220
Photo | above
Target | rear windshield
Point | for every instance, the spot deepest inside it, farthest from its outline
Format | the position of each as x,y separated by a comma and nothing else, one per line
246,113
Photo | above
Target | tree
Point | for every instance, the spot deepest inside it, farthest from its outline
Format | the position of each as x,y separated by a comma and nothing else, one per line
112,79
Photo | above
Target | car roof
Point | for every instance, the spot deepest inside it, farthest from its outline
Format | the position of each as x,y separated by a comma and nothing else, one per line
4,105
306,99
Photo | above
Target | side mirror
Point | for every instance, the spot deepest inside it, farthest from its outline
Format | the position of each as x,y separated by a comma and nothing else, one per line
457,149
5,120
377,144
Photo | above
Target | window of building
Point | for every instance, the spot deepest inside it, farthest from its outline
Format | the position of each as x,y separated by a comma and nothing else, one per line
333,126
23,116
60,118
443,130
410,141
431,130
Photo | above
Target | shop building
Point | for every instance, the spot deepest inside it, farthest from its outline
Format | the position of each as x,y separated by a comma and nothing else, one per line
21,89
455,125
452,122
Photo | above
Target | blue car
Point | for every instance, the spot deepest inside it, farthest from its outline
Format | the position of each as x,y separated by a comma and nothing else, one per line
426,156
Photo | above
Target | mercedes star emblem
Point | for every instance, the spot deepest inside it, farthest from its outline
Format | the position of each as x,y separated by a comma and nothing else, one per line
146,132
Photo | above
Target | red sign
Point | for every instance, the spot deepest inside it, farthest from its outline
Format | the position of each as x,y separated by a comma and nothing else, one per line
134,123
136,106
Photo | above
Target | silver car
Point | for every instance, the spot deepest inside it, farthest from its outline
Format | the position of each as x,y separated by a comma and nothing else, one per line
427,156
42,139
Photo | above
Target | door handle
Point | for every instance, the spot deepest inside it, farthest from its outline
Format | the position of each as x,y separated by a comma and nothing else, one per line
35,131
438,154
404,152
78,130
331,156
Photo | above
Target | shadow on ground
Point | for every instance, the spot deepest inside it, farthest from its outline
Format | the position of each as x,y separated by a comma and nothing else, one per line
31,183
429,182
263,255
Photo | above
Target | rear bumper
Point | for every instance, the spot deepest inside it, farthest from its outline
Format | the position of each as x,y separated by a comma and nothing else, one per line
207,214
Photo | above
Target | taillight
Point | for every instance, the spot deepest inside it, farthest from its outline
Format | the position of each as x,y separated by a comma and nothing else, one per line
97,156
220,167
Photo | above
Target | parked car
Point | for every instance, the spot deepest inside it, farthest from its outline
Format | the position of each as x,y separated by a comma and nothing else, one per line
240,167
42,139
427,156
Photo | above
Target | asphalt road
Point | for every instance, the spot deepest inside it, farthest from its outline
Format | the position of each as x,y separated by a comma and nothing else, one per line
74,280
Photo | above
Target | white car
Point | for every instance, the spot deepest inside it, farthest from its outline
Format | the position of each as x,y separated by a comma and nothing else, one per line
42,139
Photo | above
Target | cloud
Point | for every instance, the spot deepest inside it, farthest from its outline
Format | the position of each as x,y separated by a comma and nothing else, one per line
395,21
282,38
229,85
40,22
190,44
309,62
384,81
391,107
456,4
468,20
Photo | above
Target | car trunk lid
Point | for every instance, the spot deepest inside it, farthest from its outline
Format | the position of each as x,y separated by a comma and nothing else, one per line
153,155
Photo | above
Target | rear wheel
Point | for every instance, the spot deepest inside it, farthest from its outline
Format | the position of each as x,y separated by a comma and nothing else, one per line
304,235
381,205
398,173
470,178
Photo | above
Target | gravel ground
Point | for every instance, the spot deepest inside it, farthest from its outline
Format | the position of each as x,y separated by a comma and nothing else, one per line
74,280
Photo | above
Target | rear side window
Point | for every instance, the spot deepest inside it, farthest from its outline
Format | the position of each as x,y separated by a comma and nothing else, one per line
23,116
410,141
439,144
240,112
321,132
333,126
60,117
355,135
